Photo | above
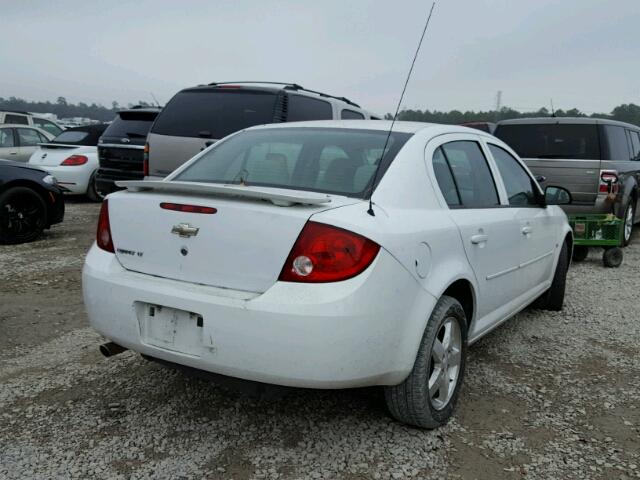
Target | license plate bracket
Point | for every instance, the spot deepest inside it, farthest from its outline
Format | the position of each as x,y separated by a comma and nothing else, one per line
171,328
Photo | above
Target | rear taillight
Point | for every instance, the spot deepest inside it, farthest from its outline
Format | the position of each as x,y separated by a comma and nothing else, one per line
323,253
103,236
75,160
608,181
145,160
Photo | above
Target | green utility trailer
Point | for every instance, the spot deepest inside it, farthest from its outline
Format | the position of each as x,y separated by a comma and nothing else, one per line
597,230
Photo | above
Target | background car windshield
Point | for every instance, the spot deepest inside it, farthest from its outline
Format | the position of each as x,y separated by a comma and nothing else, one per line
214,114
550,140
338,161
130,124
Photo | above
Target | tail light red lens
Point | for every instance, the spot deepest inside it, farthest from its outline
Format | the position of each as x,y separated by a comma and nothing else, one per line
75,160
323,253
609,178
145,160
103,236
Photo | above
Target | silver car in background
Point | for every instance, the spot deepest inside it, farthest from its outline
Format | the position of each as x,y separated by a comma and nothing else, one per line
597,160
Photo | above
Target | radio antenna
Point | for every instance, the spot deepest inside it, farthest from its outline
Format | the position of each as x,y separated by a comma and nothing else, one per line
155,99
406,82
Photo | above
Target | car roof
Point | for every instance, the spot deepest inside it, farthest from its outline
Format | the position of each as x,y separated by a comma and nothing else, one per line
383,125
22,125
565,120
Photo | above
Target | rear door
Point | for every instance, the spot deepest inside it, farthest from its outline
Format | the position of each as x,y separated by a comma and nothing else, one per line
28,140
489,232
567,155
8,144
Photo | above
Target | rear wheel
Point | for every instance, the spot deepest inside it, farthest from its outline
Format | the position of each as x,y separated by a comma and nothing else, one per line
428,395
23,215
612,257
629,214
580,253
553,299
92,192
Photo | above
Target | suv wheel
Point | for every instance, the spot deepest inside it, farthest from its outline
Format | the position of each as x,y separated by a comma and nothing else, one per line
428,395
629,215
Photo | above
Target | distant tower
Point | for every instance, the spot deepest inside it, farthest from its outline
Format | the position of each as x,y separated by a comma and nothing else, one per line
498,100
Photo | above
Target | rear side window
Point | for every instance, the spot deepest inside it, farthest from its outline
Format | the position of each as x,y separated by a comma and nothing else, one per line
29,137
302,108
635,144
472,177
18,119
518,183
552,140
6,138
214,113
351,115
445,180
47,126
616,143
130,125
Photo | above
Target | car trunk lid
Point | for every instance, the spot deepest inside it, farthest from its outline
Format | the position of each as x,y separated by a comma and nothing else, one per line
53,154
242,245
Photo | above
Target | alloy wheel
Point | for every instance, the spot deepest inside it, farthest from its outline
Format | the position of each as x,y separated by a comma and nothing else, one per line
444,370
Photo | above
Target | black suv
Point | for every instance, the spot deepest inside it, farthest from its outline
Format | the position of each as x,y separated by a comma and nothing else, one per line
121,147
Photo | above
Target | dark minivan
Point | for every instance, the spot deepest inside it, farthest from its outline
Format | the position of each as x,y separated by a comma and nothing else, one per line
121,148
197,117
584,155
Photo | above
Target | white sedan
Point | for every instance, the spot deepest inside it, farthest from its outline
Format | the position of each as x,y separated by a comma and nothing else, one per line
72,157
262,258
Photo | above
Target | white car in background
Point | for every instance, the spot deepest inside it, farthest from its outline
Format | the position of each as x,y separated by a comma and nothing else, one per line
72,158
262,258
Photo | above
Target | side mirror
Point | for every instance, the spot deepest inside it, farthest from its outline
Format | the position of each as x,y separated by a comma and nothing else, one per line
557,196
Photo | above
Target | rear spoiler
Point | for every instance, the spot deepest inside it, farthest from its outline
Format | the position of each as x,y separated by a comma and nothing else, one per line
277,196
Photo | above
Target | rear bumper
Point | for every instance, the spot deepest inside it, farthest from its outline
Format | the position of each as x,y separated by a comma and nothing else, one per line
74,179
601,205
360,332
106,178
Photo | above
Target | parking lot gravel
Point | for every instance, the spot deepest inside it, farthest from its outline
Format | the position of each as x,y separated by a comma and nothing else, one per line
548,395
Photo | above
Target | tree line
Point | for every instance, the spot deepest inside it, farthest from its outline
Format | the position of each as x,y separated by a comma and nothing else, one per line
64,109
629,112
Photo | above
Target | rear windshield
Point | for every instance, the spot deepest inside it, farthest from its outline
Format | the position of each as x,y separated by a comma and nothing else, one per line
131,125
338,161
548,140
71,137
87,136
215,114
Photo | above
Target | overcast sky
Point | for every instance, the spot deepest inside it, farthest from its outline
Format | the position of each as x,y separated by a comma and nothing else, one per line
582,53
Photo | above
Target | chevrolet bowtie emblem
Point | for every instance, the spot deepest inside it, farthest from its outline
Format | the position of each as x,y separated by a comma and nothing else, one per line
185,230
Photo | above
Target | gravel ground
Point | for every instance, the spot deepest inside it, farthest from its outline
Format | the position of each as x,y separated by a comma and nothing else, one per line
546,396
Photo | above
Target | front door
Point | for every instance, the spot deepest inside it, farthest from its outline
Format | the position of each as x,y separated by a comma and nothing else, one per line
8,147
489,231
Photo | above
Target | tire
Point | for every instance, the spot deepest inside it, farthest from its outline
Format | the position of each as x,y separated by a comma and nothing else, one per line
553,298
629,214
580,253
411,402
23,215
92,192
612,257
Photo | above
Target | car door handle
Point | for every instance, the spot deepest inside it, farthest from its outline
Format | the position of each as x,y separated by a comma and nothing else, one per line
480,238
527,230
13,153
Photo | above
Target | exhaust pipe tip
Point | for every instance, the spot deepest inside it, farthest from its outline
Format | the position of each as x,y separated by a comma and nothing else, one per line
110,349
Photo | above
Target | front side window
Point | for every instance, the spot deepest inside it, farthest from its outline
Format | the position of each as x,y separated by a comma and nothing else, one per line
303,108
17,119
517,182
471,175
29,137
339,161
6,138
